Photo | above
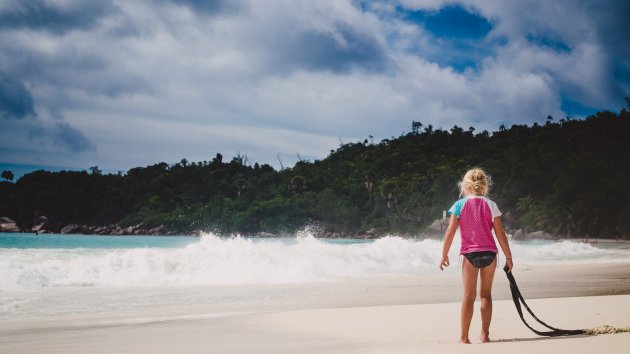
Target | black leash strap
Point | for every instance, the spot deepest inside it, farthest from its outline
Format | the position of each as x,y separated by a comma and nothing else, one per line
518,298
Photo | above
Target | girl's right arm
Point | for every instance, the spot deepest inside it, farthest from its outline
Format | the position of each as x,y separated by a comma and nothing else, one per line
503,242
453,224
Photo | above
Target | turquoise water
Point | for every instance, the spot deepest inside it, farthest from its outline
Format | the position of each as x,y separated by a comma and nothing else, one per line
68,241
49,241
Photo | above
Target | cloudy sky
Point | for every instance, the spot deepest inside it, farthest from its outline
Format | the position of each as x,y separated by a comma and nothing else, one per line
129,83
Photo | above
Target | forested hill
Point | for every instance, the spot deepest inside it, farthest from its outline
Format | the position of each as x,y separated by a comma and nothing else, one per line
567,177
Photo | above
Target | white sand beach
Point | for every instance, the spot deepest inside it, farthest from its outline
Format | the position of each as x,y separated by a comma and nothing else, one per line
377,315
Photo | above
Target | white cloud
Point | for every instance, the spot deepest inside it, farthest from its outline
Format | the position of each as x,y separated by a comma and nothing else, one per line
155,81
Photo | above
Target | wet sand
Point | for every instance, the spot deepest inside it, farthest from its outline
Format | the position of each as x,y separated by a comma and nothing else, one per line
375,315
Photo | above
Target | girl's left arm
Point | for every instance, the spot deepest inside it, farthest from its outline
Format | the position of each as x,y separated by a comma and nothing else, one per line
503,241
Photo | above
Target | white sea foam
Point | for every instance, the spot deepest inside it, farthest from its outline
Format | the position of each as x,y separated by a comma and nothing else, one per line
224,261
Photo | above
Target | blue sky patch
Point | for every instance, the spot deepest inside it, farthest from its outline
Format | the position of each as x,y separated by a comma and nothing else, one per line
576,109
452,22
458,36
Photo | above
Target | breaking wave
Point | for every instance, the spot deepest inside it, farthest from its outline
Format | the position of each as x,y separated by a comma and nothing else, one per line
214,260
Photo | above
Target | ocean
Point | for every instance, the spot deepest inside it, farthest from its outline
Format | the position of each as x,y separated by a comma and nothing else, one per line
49,275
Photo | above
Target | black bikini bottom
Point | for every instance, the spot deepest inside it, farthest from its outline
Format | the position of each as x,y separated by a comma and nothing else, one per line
480,259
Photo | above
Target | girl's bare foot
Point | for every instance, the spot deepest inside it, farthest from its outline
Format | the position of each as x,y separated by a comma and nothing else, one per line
464,340
484,338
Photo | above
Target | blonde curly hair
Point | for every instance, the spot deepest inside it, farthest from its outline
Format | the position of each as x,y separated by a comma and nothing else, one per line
475,182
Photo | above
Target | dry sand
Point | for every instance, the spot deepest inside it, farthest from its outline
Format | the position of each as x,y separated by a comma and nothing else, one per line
381,315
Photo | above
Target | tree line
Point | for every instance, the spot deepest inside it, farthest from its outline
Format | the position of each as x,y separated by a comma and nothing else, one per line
567,177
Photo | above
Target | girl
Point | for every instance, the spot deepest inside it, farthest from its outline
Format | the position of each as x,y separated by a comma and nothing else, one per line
476,216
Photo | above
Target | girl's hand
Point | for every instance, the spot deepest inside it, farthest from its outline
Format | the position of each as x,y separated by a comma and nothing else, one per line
509,264
444,262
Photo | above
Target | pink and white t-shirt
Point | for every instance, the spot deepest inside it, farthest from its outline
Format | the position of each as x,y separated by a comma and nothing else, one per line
475,214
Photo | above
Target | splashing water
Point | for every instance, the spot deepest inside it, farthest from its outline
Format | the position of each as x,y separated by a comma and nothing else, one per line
213,260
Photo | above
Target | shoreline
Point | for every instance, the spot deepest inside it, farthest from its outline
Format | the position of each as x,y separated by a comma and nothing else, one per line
340,236
535,282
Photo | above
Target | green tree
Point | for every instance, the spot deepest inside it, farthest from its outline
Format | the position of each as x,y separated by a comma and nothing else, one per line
568,177
7,175
95,170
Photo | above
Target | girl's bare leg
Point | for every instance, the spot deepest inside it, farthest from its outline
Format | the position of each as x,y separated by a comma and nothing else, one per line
469,277
485,293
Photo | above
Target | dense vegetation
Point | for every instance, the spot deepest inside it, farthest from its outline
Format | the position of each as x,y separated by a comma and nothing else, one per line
570,177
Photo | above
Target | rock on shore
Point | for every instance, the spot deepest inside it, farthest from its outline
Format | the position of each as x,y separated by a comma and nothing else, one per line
523,235
42,224
8,225
116,230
